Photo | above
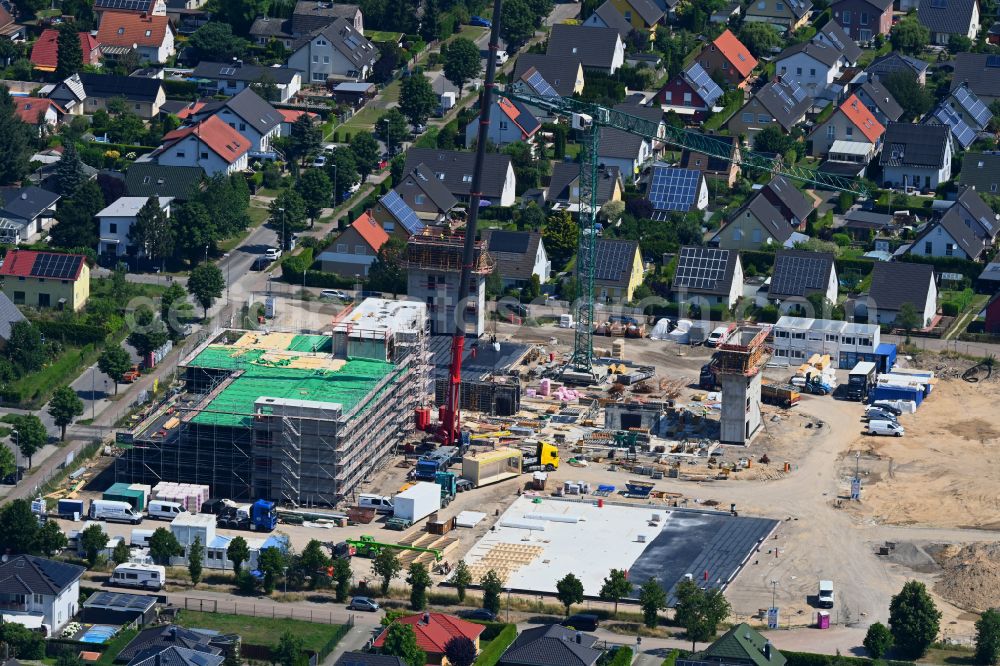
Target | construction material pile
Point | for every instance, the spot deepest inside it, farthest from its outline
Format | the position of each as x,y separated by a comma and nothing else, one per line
971,576
189,495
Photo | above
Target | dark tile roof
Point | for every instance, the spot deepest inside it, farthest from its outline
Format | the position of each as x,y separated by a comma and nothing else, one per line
800,273
898,282
559,71
368,659
883,99
952,17
770,218
612,18
980,71
820,52
132,88
252,108
981,171
423,178
742,644
27,574
310,15
352,44
834,34
961,233
26,203
514,251
894,62
977,213
595,47
271,27
239,71
565,173
457,165
614,260
619,144
9,315
156,639
906,144
785,195
863,219
177,656
149,179
650,12
774,97
705,270
552,645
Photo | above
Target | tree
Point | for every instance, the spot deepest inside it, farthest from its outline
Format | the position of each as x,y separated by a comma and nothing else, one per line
120,554
305,139
460,651
114,362
51,539
149,332
315,189
878,640
23,642
419,580
290,650
18,527
152,231
216,42
772,140
461,579
759,38
163,545
342,574
908,318
386,566
25,347
195,230
915,99
239,14
7,463
561,236
517,25
205,284
313,561
569,591
699,611
77,226
271,562
196,560
172,301
386,272
615,587
31,435
390,57
69,168
366,153
238,552
92,541
914,620
69,53
492,586
652,599
391,128
909,36
342,168
288,210
959,44
987,637
64,406
15,137
462,62
401,641
267,88
416,98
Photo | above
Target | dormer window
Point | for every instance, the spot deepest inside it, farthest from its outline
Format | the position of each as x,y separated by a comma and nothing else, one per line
121,31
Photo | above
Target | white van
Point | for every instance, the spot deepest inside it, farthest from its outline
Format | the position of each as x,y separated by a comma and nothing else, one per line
885,428
111,511
162,510
717,336
380,503
825,596
143,576
140,538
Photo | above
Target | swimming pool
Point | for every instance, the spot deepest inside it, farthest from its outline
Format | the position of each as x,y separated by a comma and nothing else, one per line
98,633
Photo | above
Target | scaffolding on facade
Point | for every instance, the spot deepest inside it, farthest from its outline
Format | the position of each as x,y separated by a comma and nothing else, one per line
444,253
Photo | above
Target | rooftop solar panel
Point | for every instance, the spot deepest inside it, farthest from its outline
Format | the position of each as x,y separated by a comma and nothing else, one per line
701,267
674,189
395,205
973,106
797,275
964,134
57,266
699,79
541,86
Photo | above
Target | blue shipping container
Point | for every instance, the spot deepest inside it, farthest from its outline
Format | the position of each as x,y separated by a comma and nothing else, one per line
896,393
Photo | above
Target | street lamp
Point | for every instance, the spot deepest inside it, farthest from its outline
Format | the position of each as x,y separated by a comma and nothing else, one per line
17,449
282,239
508,605
774,587
388,141
93,392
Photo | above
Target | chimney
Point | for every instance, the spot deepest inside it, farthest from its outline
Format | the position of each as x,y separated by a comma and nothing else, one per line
579,638
426,618
767,650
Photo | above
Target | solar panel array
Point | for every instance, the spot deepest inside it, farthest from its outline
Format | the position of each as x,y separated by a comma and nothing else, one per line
395,205
703,84
701,268
541,86
993,61
58,266
671,188
120,601
790,92
124,5
613,259
964,134
979,112
795,275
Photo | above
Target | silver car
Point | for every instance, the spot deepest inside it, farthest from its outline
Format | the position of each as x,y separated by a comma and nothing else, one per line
363,604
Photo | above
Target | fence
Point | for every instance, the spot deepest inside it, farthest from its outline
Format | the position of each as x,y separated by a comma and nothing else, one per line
270,610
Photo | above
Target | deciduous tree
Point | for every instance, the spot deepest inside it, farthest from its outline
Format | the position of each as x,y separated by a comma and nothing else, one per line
366,153
30,436
987,638
416,98
315,188
462,62
152,231
196,560
18,527
238,552
914,620
342,574
492,586
419,580
216,42
616,587
699,611
288,210
652,599
517,25
759,38
461,579
92,541
51,539
391,128
878,640
561,237
569,591
460,651
64,407
149,333
386,565
401,641
386,272
206,284
909,36
163,545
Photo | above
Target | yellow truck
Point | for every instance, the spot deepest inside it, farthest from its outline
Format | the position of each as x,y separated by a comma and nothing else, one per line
543,456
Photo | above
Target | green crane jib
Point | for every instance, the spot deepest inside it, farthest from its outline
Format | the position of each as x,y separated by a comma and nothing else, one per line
590,118
367,546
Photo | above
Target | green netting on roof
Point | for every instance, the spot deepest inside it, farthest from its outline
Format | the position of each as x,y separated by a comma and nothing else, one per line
311,343
224,357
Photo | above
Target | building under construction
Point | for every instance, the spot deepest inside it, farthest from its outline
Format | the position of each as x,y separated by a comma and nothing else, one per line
296,419
737,363
490,381
434,267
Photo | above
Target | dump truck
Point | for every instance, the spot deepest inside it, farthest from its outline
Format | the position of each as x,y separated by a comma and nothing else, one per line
860,381
781,395
543,456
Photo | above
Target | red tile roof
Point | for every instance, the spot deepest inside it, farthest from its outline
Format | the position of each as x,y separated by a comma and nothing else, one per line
433,630
513,112
120,29
224,141
44,54
737,54
370,230
862,118
22,263
191,109
28,108
291,115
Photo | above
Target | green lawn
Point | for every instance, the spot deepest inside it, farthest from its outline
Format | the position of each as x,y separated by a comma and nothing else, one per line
261,630
116,645
472,32
363,120
383,36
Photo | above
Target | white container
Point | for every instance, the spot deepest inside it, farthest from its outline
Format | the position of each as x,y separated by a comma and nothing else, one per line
417,502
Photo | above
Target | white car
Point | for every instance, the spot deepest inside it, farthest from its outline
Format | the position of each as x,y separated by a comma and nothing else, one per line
272,253
502,58
320,161
334,293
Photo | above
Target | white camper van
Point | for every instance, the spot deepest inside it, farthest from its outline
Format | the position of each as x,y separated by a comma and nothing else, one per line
142,576
114,512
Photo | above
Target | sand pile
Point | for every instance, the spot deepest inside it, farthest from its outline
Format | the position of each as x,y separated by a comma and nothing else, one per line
971,576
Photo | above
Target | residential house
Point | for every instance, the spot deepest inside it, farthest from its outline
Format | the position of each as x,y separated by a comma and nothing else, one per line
887,65
88,93
368,659
989,280
758,223
115,226
395,217
607,16
813,66
425,195
832,34
46,280
785,15
307,16
948,236
38,111
246,113
980,73
9,28
265,28
863,19
725,172
601,49
794,204
354,250
874,95
152,37
916,156
728,56
38,587
945,18
863,224
642,15
45,51
336,52
708,275
177,656
981,171
851,131
210,144
627,151
147,7
433,631
149,179
976,215
9,315
155,640
964,113
780,102
220,78
895,283
454,169
691,94
511,121
355,94
740,646
732,10
563,192
29,210
289,116
798,338
563,74
618,269
519,255
676,190
798,274
551,645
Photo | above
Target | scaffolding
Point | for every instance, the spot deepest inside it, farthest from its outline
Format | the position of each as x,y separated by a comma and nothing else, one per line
738,360
444,253
743,352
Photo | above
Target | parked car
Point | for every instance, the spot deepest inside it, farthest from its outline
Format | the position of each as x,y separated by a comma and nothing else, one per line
716,337
334,293
363,604
260,263
480,22
502,58
880,415
885,407
482,614
320,161
272,254
582,622
885,428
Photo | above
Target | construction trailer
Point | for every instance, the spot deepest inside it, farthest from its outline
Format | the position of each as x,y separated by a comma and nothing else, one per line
434,267
295,419
737,363
488,467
